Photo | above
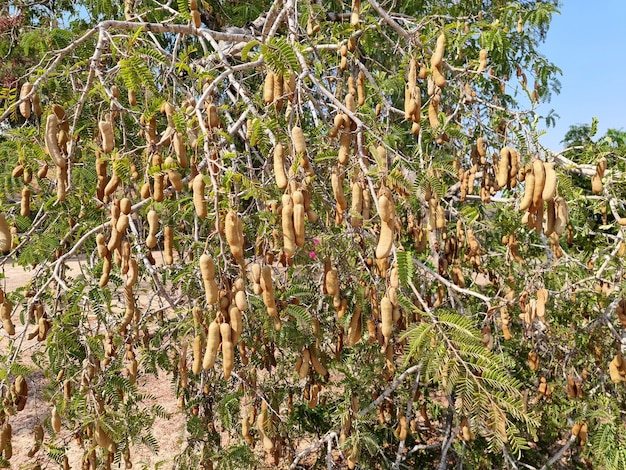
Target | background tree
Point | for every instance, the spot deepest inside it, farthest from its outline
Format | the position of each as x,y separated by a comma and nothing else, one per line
307,216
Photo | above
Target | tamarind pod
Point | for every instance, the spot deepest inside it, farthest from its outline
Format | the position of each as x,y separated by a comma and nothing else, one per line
337,185
6,308
196,19
245,430
153,228
539,173
350,104
122,223
213,344
180,149
21,387
596,184
233,236
582,433
38,435
297,137
207,267
549,187
385,240
289,236
386,317
317,365
55,420
107,135
440,217
279,166
562,217
601,167
278,91
125,205
62,183
9,327
199,202
298,224
17,171
25,202
502,177
266,280
290,86
356,208
412,75
102,439
168,245
43,171
437,58
345,139
175,179
106,270
213,117
409,103
144,191
482,61
196,366
25,105
439,77
614,372
236,323
305,361
132,370
331,282
115,241
36,105
42,330
158,190
529,190
360,88
133,272
5,234
241,301
52,144
354,14
268,88
433,113
112,184
480,147
354,330
211,291
228,349
132,99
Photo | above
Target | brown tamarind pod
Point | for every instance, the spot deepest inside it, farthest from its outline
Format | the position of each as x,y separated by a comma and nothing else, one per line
168,245
52,144
199,202
228,349
212,347
289,236
268,88
539,173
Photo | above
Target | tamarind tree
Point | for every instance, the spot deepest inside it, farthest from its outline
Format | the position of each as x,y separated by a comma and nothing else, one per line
329,225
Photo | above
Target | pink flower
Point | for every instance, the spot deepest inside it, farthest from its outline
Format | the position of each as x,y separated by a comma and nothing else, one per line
316,241
312,254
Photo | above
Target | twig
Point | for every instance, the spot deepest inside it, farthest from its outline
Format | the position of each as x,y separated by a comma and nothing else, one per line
327,439
560,453
389,390
449,436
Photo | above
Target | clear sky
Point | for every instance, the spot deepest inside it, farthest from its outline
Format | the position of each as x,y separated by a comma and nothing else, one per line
587,41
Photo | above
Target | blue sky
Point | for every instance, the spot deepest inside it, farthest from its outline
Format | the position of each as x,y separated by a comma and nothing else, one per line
587,41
